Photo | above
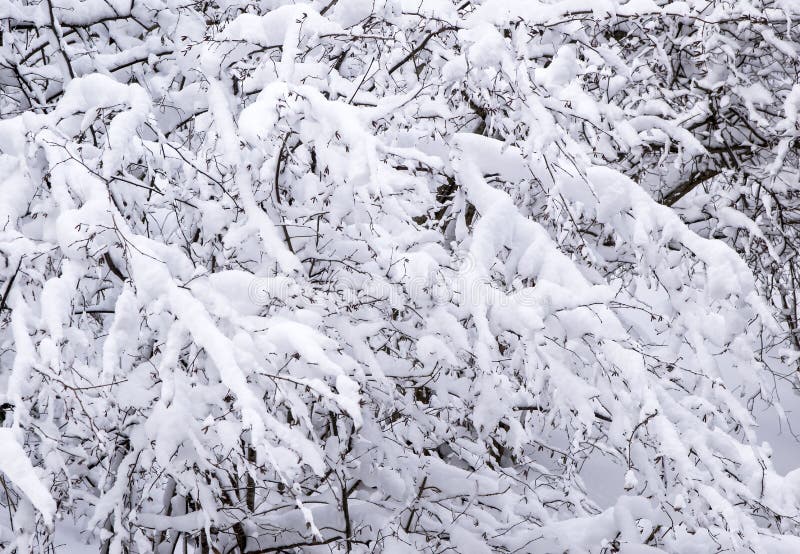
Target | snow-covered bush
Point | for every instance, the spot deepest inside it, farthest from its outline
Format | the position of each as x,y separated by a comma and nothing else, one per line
396,276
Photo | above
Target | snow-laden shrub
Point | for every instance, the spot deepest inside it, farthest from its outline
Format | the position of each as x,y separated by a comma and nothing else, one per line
396,276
